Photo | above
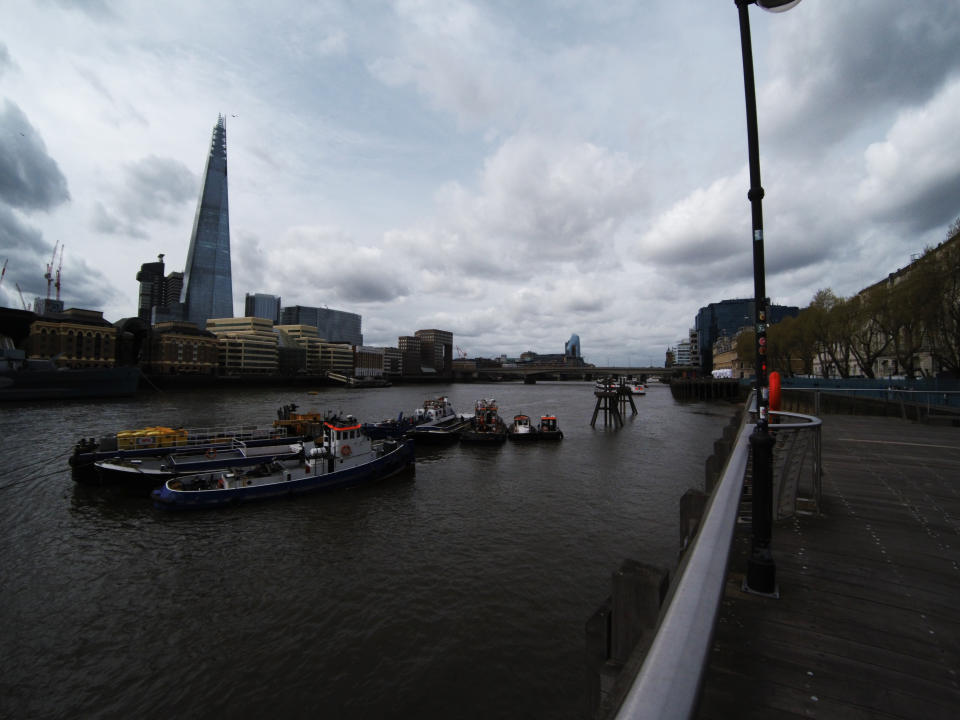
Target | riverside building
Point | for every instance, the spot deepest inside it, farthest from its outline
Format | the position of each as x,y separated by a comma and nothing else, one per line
246,346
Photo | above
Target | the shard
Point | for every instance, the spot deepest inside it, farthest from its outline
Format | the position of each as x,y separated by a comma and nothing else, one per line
207,284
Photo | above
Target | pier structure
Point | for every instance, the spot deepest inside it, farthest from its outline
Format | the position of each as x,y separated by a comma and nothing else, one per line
864,622
612,398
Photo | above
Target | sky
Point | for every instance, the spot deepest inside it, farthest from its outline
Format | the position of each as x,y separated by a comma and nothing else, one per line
513,172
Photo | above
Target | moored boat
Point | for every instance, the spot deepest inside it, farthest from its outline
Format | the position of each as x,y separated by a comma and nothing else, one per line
549,429
343,457
486,426
636,387
522,429
160,441
436,422
153,470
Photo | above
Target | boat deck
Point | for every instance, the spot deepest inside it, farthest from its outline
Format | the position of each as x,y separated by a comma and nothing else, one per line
868,620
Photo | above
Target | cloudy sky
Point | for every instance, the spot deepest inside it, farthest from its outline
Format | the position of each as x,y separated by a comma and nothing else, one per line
511,171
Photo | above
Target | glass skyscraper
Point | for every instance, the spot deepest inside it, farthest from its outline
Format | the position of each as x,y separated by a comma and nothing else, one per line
207,284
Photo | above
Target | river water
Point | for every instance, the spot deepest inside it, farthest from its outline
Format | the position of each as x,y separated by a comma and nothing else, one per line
459,591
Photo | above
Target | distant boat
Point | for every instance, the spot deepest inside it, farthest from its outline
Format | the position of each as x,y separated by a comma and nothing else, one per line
636,387
486,426
436,422
549,429
522,429
344,457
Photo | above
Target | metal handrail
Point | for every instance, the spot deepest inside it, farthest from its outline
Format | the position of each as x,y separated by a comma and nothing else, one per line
668,684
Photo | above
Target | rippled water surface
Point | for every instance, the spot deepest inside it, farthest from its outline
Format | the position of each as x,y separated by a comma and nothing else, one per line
459,591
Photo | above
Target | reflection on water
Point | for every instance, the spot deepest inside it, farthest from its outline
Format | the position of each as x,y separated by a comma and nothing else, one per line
459,590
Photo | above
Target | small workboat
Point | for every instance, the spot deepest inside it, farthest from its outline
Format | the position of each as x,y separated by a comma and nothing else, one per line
436,422
636,387
343,457
522,429
549,429
486,426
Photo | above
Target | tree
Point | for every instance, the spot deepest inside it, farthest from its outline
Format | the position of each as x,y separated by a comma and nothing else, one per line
941,267
868,340
831,328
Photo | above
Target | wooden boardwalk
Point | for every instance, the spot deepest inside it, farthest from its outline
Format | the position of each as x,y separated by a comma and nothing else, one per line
868,620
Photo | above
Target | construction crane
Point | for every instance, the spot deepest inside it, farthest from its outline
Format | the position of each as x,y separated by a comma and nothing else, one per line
22,301
461,352
4,271
48,275
57,283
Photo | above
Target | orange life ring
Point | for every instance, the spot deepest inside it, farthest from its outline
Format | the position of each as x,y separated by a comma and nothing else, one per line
774,390
211,453
345,451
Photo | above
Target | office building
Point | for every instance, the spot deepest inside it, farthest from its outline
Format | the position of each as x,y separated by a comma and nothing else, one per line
409,347
728,317
436,350
159,297
208,287
246,346
262,306
334,326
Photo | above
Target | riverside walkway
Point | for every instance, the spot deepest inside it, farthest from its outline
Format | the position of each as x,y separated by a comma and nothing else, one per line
868,620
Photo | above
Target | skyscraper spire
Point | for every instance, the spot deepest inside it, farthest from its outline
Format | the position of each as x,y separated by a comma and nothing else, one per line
207,283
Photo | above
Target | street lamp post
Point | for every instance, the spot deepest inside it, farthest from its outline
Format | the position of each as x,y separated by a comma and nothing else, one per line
761,570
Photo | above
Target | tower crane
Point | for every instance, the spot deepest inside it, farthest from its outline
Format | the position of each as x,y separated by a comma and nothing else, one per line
48,275
22,301
461,352
4,271
57,282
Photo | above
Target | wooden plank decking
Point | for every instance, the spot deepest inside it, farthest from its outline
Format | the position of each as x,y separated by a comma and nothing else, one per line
868,620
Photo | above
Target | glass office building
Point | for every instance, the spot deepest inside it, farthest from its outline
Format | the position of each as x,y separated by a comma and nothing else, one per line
334,326
208,288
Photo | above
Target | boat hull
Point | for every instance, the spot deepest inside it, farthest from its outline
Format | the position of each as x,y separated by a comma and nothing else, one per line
154,471
66,384
291,483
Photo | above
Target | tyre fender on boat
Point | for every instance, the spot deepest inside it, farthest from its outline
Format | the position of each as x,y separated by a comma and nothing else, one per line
345,451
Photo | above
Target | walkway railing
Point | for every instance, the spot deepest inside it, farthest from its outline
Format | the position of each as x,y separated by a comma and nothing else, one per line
668,683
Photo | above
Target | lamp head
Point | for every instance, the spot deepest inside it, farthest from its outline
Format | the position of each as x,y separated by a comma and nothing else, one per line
776,5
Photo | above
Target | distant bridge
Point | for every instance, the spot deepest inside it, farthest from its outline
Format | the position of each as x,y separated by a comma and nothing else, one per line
581,373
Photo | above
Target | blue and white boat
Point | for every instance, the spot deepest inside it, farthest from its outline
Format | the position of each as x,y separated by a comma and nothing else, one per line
343,457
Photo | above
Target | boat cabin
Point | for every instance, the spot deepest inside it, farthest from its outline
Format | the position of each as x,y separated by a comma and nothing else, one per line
548,423
345,440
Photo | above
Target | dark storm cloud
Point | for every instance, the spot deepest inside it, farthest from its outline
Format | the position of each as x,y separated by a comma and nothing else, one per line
154,188
29,178
368,286
26,253
848,61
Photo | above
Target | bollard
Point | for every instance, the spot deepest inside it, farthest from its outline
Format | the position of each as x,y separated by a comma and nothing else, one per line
638,591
